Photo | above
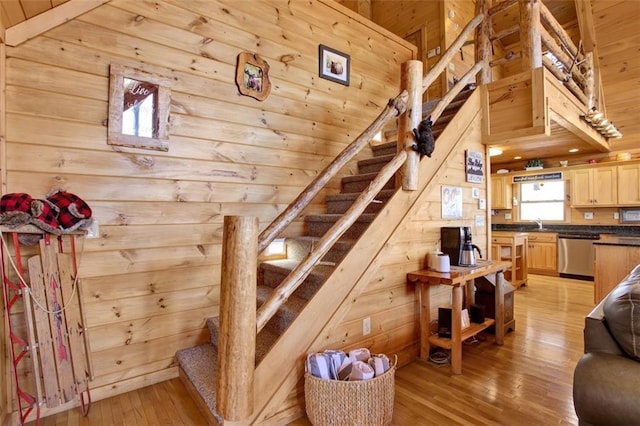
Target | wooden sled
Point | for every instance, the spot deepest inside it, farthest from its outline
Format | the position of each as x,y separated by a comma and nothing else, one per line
54,337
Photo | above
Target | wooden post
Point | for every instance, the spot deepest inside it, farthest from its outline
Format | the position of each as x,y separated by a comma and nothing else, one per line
237,341
530,34
589,88
483,51
411,81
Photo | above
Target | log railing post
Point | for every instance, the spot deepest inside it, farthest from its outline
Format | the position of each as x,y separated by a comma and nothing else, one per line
530,34
411,81
483,41
237,347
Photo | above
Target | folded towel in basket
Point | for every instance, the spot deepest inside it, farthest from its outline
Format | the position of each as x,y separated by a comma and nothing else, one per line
379,363
327,364
361,354
360,370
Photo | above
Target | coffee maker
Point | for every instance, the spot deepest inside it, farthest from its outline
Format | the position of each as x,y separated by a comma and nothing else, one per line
456,241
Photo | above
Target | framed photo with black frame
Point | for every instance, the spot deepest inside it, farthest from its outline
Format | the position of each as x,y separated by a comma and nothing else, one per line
334,65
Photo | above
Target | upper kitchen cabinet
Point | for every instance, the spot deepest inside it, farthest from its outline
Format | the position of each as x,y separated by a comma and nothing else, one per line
501,192
629,185
594,187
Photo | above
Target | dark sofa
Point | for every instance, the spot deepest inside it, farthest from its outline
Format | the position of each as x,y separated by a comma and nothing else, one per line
606,382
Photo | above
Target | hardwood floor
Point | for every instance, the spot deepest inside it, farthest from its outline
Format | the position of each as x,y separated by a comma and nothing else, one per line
527,381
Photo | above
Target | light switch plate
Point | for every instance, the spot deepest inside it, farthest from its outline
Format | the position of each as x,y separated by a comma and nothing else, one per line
479,220
482,204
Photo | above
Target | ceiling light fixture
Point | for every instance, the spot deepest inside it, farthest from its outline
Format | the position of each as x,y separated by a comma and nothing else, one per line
517,157
574,150
494,151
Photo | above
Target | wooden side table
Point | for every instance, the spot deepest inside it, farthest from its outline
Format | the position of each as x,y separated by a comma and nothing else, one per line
459,278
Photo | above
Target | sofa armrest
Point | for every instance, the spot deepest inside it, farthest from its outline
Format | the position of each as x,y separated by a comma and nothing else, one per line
605,389
597,337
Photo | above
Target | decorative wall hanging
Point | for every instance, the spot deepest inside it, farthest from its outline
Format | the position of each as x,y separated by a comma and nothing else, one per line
252,76
474,166
138,108
451,202
334,65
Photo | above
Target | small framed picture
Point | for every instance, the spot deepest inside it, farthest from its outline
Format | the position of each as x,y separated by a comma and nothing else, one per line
252,76
474,166
334,65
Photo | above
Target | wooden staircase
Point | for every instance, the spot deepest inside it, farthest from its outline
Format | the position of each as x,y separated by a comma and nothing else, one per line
198,364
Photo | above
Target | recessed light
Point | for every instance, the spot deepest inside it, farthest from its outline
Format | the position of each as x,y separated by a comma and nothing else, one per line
494,151
574,150
517,157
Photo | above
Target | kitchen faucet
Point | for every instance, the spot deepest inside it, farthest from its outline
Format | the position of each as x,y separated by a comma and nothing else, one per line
539,222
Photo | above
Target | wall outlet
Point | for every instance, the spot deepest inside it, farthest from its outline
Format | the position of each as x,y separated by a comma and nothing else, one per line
507,215
482,203
94,230
366,326
588,215
431,53
616,215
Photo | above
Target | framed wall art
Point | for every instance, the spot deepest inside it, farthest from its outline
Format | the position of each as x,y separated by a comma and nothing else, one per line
252,76
334,65
474,166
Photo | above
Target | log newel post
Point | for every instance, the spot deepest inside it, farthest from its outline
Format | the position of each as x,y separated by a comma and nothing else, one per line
590,89
237,337
411,81
483,51
530,34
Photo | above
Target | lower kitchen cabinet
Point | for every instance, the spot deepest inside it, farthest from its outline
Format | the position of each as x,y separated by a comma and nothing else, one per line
542,255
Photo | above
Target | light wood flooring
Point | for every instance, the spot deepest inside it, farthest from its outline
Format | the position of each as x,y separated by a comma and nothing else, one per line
527,381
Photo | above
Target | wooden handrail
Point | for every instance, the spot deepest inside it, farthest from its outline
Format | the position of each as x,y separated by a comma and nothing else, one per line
457,88
568,63
503,5
297,276
451,52
395,107
550,21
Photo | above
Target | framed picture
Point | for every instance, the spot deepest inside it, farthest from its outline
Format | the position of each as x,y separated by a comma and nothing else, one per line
451,202
474,166
334,65
252,76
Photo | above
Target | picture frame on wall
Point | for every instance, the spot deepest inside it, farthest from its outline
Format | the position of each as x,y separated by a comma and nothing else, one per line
474,166
252,76
334,65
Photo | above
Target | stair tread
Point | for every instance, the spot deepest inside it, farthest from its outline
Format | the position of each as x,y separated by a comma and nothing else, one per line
333,217
375,160
359,177
287,265
197,364
293,305
350,196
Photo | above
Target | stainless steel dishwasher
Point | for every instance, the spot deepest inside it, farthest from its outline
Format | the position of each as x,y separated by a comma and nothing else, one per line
576,255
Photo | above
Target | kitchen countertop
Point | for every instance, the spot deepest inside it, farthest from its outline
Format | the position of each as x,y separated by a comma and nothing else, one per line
619,231
618,241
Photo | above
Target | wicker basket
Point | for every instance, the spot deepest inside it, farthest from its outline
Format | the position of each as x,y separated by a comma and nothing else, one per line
342,403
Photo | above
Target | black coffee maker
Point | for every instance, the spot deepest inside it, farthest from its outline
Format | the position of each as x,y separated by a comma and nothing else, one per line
456,241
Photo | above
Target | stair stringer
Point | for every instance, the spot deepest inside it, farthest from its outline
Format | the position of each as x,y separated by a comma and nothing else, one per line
283,367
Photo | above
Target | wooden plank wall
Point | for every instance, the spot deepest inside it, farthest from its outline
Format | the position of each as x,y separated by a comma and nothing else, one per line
152,277
403,17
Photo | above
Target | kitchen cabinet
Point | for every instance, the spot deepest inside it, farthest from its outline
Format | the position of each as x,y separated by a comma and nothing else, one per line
542,253
511,246
615,258
501,192
593,187
629,184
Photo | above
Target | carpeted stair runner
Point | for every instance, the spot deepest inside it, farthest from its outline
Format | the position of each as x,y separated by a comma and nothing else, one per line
199,363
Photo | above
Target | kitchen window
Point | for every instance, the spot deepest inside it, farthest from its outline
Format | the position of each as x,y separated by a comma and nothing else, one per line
542,200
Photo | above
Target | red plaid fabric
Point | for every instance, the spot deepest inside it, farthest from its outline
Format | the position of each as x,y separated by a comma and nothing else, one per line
16,202
73,211
43,215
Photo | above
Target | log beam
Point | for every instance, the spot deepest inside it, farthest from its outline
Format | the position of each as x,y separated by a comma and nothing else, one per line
237,340
530,36
503,5
483,52
411,81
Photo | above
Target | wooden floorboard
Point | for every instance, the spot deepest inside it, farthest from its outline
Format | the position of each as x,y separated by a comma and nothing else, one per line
527,381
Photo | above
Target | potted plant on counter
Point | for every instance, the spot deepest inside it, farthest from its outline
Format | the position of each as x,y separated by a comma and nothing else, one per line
534,164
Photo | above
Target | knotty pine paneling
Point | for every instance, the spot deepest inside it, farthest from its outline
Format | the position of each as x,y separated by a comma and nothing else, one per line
152,277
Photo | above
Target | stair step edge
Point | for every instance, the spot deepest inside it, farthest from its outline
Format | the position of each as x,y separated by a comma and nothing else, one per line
333,217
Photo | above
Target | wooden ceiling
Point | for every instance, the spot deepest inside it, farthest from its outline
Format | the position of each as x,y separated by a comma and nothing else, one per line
617,41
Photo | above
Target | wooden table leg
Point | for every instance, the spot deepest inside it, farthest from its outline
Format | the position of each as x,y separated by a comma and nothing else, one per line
456,330
425,320
470,296
499,307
